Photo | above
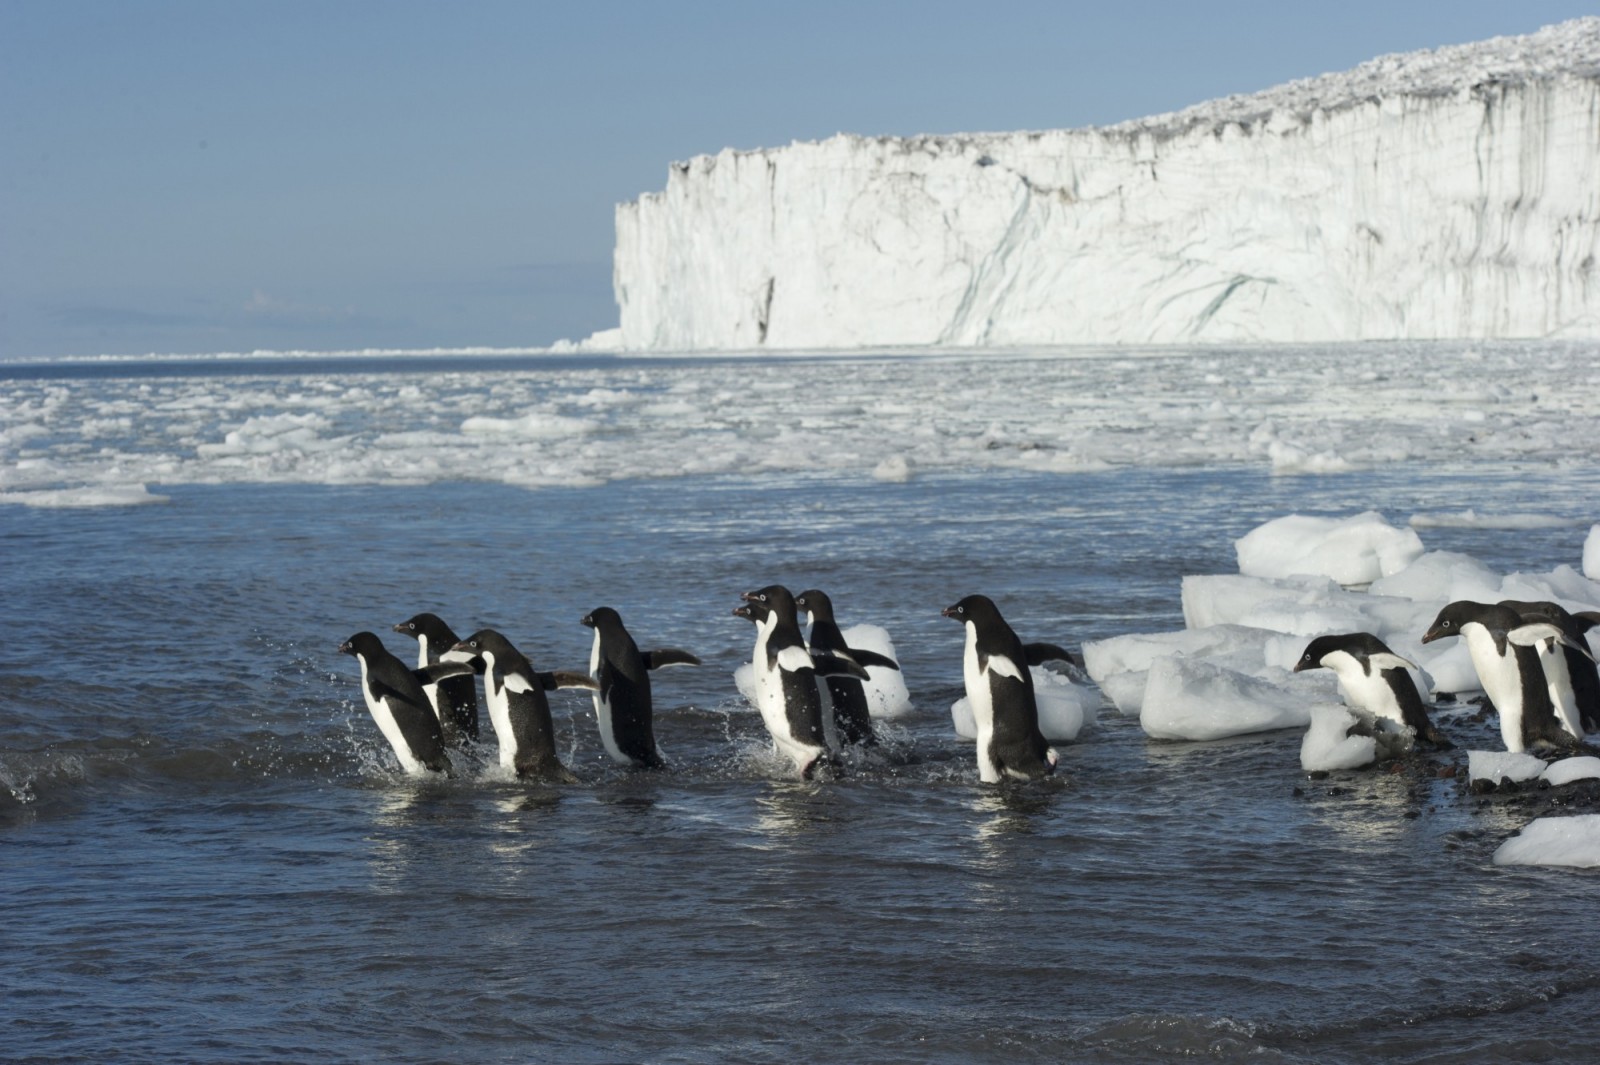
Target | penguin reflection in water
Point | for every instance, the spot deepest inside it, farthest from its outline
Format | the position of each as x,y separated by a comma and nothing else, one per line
518,708
397,698
1000,689
785,675
622,700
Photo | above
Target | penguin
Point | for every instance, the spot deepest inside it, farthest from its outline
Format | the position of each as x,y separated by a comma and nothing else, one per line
455,701
1000,689
1508,669
518,708
1574,681
622,699
846,693
1373,679
397,699
786,679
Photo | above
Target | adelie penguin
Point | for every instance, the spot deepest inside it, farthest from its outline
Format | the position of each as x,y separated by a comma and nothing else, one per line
454,700
1500,643
1000,689
851,715
1374,679
1569,668
785,677
622,700
518,708
398,702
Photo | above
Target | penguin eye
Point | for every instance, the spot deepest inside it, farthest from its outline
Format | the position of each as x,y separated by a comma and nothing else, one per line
763,599
1445,624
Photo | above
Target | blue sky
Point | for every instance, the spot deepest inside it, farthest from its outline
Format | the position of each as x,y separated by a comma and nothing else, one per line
185,177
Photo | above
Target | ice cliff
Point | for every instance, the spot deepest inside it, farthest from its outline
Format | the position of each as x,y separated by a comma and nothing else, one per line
1445,193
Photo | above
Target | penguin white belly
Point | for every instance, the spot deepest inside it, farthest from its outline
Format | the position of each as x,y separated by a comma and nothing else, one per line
1369,692
1553,657
1501,680
496,694
384,718
774,707
602,708
430,690
981,697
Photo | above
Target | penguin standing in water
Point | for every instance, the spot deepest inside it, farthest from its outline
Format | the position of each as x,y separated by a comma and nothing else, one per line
1508,668
455,700
1373,678
397,699
786,679
1574,681
1000,689
518,708
851,714
622,700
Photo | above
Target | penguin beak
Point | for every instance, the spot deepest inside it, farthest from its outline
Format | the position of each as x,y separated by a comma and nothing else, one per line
749,597
948,612
1300,666
588,619
347,648
741,611
398,628
1432,634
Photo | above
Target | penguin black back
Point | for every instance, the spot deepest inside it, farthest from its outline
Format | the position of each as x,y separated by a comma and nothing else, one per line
455,700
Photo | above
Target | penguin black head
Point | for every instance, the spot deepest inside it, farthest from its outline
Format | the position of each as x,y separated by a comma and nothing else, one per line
754,609
815,603
775,596
429,626
486,641
1359,645
362,643
974,608
602,617
1462,612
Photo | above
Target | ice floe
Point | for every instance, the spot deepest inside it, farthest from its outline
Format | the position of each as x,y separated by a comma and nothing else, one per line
1573,842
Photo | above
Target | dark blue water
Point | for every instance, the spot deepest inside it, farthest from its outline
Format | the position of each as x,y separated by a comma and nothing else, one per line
206,853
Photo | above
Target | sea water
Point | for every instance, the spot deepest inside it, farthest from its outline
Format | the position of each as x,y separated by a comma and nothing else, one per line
207,851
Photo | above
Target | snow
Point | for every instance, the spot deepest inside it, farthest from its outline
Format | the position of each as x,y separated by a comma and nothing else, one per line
1328,744
1567,770
1559,841
1591,553
1354,550
1447,193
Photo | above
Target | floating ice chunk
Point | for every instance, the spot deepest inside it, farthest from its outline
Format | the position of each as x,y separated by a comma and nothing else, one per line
1499,766
1471,519
108,495
885,688
1135,652
1064,708
1287,458
1566,770
1441,577
1563,584
1328,744
1354,550
1573,842
1449,665
1591,554
1126,691
895,469
1187,699
533,425
1223,599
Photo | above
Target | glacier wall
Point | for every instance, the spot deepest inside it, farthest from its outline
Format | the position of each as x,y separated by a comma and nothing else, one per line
1444,194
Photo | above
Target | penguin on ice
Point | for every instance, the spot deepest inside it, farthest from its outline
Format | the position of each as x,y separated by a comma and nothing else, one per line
518,708
1573,680
1000,689
397,699
455,700
1508,668
849,697
786,679
622,700
1374,679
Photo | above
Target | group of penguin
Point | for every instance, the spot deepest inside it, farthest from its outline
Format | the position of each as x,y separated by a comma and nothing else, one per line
1531,659
424,710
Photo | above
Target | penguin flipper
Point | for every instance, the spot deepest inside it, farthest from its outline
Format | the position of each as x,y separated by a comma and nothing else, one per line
441,670
563,678
668,656
1532,634
1040,653
872,658
827,665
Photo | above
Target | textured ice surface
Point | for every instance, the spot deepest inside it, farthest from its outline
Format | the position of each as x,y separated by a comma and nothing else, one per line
1559,841
1497,766
1190,699
1447,193
1354,550
1328,744
883,417
1591,554
1566,770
